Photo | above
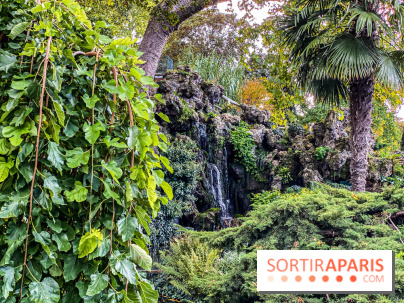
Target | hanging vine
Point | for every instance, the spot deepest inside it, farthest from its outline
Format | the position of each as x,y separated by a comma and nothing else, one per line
80,175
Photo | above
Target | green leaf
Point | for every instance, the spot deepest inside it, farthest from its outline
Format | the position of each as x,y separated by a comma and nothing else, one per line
52,184
9,281
127,227
45,291
34,91
92,132
55,156
133,136
109,193
167,189
15,133
158,176
59,113
18,29
98,283
55,271
89,242
20,85
140,257
41,7
143,218
78,194
145,139
4,170
90,102
7,61
77,157
149,81
113,169
43,237
136,74
125,268
44,201
166,163
62,241
147,293
72,267
164,117
4,146
13,209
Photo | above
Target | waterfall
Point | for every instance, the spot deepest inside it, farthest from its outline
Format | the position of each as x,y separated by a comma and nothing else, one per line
215,182
202,135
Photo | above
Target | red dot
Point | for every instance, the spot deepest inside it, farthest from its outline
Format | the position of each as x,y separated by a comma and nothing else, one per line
312,278
325,278
339,278
298,278
353,278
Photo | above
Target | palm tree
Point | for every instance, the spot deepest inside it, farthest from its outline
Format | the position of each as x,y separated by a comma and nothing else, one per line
341,49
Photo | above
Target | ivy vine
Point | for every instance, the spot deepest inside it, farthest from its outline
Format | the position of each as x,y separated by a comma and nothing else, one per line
80,176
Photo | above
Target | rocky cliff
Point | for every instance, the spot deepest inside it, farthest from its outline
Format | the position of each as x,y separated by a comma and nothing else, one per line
234,166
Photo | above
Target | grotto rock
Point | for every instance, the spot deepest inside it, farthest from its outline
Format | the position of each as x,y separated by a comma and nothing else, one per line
276,183
334,130
258,133
253,115
318,133
310,175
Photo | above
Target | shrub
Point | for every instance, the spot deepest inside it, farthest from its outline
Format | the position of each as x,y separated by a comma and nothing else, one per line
324,219
321,152
190,266
253,92
244,146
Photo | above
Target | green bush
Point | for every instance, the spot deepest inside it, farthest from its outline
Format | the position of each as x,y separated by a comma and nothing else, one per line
321,152
190,266
244,146
303,221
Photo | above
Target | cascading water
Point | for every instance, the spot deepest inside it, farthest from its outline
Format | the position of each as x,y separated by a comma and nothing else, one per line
215,181
202,135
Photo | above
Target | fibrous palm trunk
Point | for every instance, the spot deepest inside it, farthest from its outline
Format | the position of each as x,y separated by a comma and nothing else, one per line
361,95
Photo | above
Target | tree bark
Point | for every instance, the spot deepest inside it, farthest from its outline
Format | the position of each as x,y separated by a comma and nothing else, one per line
361,95
159,29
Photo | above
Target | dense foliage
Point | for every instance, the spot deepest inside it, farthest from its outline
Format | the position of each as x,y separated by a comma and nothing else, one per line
183,159
321,219
79,173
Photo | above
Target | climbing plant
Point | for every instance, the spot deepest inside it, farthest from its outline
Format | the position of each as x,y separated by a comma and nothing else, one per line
244,146
80,178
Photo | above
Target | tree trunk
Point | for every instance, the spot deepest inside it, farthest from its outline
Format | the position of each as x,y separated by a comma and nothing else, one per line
361,95
159,29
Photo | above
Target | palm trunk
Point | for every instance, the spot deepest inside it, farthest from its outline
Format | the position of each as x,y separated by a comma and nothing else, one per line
361,95
159,29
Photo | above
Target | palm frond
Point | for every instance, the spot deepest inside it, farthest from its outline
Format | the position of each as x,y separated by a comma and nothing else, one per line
329,91
351,57
390,72
367,20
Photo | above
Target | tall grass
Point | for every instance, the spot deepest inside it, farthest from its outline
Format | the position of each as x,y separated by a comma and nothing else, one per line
225,71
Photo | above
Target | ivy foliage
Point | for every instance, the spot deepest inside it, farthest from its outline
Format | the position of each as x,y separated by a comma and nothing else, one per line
244,146
80,178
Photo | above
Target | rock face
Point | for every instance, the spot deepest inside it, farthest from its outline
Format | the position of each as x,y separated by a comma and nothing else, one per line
283,158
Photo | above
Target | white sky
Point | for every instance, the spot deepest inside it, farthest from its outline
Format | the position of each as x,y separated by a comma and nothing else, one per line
259,16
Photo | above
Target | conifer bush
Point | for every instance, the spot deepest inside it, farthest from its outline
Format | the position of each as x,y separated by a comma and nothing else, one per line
80,176
324,218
